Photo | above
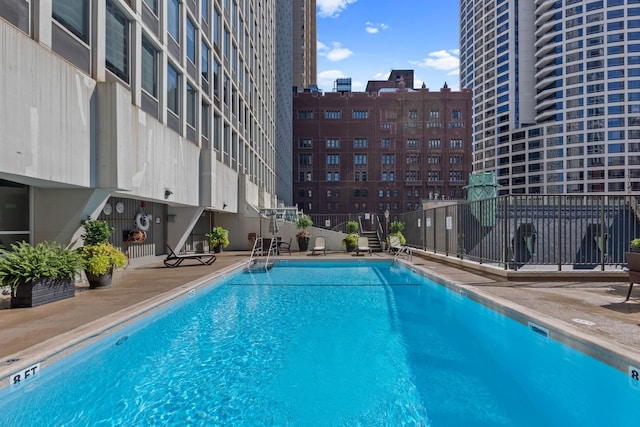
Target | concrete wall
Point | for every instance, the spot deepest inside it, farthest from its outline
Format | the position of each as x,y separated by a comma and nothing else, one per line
45,114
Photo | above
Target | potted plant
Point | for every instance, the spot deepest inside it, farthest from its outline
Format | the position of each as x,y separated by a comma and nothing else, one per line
303,222
218,238
100,257
351,239
633,264
39,274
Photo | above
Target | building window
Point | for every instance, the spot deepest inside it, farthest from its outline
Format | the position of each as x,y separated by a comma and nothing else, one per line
333,159
384,143
388,159
173,92
117,42
413,114
149,67
216,78
360,143
216,27
384,176
191,41
456,143
336,178
204,10
304,143
333,143
206,128
191,105
356,176
173,19
332,114
204,61
360,114
359,159
152,5
412,143
434,114
73,15
305,159
434,143
456,115
364,176
305,114
392,176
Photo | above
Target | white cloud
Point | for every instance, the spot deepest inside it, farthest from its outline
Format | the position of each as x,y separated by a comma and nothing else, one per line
327,78
373,28
445,60
334,53
332,8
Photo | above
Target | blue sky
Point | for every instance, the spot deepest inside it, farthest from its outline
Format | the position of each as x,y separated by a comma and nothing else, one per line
366,39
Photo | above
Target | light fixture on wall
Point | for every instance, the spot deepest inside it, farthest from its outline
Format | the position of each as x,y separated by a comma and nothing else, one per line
167,193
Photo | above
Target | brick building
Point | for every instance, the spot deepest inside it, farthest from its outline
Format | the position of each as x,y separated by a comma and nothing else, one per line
392,148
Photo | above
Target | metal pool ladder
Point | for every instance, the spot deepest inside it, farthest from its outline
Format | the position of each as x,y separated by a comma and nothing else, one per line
403,250
260,256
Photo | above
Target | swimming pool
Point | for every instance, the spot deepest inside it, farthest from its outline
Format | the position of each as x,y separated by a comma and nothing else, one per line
367,343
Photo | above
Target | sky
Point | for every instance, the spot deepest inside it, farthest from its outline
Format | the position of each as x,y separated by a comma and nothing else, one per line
366,39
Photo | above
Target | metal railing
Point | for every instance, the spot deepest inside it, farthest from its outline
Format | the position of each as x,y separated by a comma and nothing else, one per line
579,232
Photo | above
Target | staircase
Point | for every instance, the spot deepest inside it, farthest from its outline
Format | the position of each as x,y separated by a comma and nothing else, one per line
374,242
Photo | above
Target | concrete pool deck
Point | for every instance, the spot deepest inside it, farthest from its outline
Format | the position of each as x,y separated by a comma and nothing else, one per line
581,306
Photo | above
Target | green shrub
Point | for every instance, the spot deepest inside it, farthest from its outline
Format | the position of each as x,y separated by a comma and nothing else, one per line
303,222
351,239
96,231
25,263
218,237
635,245
101,257
397,227
352,227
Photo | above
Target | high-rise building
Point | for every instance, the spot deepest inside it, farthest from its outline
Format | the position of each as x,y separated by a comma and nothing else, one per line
119,108
391,149
304,44
556,93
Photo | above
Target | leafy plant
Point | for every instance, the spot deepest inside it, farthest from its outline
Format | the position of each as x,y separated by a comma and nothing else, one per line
352,227
635,245
101,257
96,231
351,240
218,237
397,227
25,263
302,223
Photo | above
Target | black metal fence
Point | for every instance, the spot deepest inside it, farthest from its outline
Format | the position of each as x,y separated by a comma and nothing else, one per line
577,232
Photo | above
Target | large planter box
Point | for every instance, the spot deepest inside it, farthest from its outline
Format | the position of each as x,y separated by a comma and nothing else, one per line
42,291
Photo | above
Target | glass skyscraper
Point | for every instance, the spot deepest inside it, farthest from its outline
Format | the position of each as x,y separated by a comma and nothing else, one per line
556,103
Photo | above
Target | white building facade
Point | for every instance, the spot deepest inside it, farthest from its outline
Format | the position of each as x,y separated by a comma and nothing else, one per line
556,93
118,109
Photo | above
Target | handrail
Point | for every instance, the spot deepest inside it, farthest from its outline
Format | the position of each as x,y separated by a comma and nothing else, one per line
403,250
258,248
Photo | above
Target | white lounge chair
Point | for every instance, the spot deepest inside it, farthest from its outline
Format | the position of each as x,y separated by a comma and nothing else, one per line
319,245
363,246
394,244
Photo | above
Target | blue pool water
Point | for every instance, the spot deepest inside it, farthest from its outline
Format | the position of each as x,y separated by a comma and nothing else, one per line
330,344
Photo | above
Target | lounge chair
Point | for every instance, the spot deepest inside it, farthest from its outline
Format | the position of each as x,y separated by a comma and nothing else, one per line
394,244
363,246
319,245
173,260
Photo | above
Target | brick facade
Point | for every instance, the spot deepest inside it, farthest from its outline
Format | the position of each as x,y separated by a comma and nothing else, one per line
359,152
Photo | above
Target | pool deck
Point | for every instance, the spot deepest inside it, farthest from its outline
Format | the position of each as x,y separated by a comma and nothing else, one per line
579,306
